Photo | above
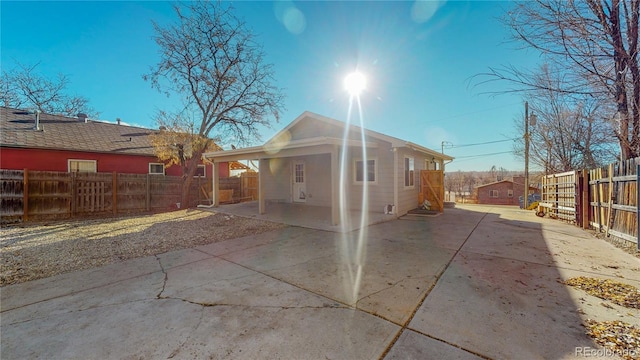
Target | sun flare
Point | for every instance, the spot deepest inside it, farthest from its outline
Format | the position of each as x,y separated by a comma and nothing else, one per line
354,83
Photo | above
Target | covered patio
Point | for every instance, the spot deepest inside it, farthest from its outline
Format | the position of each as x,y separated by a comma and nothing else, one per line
317,168
312,217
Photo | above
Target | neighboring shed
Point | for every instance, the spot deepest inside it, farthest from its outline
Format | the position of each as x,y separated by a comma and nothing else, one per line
314,156
45,142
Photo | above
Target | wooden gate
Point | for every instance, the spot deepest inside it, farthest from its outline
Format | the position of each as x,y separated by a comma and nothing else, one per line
558,197
432,188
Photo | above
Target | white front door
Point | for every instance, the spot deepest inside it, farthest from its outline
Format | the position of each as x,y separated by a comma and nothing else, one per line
299,188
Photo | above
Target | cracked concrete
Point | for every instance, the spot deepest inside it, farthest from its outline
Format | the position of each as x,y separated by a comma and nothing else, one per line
477,282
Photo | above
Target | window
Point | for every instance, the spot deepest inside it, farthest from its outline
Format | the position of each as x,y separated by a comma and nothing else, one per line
493,193
409,171
368,175
510,193
82,165
156,168
200,171
299,173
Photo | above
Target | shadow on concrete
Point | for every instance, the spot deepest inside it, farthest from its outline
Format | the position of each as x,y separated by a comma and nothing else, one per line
501,296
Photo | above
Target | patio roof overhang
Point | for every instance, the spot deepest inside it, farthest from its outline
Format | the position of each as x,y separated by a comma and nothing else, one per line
312,146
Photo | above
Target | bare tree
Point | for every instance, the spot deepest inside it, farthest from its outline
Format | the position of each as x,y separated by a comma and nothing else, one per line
571,132
175,142
593,44
211,60
24,87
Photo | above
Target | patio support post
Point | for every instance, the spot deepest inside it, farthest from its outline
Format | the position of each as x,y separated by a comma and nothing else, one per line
261,169
335,187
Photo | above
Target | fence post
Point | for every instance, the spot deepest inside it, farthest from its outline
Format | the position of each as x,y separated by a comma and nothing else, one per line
579,206
586,208
610,204
147,204
73,193
25,195
598,174
114,192
638,205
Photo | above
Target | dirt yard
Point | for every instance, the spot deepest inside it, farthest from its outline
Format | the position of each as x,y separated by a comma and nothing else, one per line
34,251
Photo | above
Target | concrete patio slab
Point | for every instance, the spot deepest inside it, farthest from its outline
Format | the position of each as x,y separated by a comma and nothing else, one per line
481,298
414,346
306,216
473,282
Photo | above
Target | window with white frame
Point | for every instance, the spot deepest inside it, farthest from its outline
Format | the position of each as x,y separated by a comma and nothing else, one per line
200,171
493,193
509,193
409,171
365,171
156,168
89,166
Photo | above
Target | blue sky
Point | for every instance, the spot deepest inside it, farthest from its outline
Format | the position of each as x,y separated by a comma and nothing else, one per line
419,58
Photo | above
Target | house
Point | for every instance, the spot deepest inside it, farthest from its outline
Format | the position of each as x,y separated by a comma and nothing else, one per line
505,192
45,142
309,161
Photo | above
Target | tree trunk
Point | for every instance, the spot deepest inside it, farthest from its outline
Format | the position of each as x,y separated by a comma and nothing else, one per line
187,177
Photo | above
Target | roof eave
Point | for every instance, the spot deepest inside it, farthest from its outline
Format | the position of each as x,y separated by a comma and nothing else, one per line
427,151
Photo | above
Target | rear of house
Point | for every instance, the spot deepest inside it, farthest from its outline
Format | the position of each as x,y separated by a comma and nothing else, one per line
315,159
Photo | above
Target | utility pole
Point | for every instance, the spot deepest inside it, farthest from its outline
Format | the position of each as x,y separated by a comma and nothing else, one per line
443,143
525,199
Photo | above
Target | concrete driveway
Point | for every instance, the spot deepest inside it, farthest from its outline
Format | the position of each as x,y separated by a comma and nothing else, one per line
475,282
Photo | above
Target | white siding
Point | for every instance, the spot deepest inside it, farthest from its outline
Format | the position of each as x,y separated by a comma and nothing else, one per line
318,179
408,197
380,192
277,179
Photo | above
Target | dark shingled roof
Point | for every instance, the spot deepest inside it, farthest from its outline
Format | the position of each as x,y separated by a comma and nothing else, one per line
17,129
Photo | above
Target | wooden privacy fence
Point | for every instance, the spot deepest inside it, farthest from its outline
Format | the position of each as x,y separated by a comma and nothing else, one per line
613,199
245,187
605,199
40,195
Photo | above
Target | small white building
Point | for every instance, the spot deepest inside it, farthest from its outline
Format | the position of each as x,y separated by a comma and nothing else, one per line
309,160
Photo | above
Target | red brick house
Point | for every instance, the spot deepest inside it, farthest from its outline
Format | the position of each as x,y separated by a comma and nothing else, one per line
505,192
48,142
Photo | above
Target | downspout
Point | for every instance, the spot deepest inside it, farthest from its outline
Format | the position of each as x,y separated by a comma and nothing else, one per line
213,183
395,180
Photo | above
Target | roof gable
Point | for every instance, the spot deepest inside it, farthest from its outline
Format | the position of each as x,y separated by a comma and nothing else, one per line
311,125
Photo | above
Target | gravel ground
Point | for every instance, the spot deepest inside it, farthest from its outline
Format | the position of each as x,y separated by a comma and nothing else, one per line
34,251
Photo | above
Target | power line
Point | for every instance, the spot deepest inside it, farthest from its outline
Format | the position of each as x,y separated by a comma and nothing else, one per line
483,143
480,155
477,112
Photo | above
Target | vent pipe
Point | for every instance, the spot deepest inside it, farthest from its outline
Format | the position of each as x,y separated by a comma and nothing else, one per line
37,125
118,121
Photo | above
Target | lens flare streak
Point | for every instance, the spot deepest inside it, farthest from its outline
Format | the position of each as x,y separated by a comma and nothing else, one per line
353,252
